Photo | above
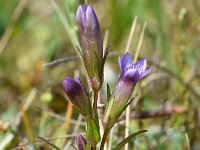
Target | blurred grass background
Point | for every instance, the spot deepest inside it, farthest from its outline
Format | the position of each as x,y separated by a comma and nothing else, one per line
32,102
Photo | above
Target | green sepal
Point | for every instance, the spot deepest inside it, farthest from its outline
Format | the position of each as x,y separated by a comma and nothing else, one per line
128,139
87,147
113,112
108,93
79,52
92,133
106,54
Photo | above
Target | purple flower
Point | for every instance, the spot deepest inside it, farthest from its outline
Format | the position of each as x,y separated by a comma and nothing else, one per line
92,45
132,71
81,142
130,74
77,95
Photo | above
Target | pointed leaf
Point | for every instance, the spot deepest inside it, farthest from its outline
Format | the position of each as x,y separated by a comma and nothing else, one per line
92,133
80,52
106,54
113,113
108,93
128,139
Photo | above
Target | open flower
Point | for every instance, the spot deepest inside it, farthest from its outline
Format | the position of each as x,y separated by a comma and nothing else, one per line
77,95
81,142
132,71
91,43
130,74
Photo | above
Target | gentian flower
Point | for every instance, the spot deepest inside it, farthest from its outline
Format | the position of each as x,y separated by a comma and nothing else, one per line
91,43
130,74
77,95
81,142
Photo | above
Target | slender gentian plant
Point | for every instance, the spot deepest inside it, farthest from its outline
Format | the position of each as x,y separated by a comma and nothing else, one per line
130,74
92,56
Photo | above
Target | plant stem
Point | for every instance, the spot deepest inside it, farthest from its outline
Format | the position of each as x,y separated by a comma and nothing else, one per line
103,141
95,104
93,147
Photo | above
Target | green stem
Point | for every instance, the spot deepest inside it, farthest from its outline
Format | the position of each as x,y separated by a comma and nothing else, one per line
95,104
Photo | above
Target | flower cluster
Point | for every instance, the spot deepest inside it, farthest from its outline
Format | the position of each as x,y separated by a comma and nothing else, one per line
92,56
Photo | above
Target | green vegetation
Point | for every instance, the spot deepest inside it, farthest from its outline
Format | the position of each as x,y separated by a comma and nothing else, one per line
32,100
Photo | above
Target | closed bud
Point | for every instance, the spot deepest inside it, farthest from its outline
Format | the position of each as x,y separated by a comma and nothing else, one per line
130,74
92,45
81,142
77,95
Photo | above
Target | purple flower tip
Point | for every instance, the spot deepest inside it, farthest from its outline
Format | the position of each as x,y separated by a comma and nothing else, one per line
81,142
87,18
132,71
76,94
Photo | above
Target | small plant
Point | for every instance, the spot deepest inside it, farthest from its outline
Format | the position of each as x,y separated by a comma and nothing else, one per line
91,53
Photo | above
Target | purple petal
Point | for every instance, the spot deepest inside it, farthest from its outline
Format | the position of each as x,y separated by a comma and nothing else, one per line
133,75
142,64
120,65
91,19
81,142
145,73
126,61
130,73
81,16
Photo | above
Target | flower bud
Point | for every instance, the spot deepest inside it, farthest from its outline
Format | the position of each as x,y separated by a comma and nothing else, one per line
77,95
130,74
81,142
92,45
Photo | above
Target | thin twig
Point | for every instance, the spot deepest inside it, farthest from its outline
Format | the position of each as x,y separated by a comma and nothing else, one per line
66,25
66,147
8,32
131,34
157,113
25,107
27,124
140,42
46,141
60,60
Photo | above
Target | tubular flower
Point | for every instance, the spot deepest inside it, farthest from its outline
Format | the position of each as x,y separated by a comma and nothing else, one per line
130,74
77,95
92,45
81,142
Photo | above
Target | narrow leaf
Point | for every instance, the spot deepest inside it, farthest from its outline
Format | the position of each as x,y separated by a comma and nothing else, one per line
108,92
128,139
106,54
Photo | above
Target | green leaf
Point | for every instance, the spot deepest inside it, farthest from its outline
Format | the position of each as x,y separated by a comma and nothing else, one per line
113,113
128,139
92,133
108,93
106,54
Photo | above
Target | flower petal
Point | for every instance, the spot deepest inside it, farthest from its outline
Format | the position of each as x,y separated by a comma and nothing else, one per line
132,74
91,20
81,16
142,64
145,73
120,65
126,61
